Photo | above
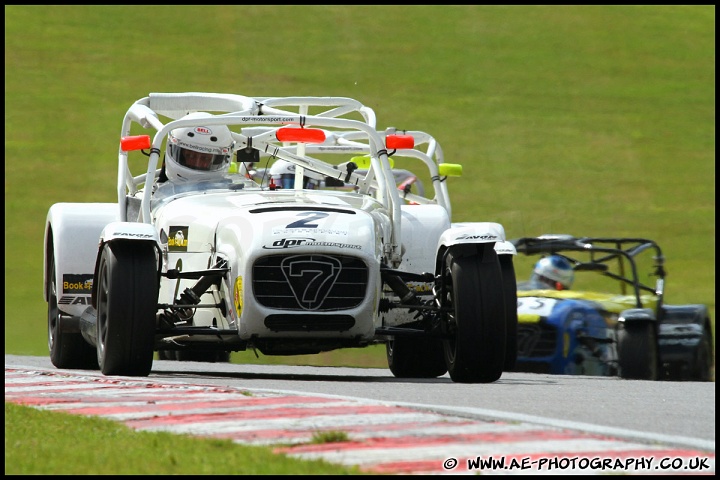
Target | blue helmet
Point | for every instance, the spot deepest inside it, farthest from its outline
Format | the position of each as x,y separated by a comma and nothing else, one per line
554,271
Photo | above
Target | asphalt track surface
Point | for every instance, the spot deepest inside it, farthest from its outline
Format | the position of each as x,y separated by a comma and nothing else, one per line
533,423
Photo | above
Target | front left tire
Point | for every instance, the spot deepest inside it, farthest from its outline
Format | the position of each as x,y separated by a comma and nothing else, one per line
127,295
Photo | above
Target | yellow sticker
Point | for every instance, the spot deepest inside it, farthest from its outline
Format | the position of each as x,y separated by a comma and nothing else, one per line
238,296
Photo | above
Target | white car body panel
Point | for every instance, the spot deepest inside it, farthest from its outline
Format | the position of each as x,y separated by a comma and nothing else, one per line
285,221
242,263
76,229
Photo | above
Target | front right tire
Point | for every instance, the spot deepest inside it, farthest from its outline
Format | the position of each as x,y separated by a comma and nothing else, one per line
127,296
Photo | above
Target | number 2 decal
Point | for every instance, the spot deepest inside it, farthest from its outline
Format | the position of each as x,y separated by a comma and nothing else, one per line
305,222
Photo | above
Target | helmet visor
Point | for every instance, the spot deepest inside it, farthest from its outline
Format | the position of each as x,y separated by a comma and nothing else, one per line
201,161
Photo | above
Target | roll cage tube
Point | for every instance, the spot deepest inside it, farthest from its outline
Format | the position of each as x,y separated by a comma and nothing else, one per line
387,194
434,150
588,245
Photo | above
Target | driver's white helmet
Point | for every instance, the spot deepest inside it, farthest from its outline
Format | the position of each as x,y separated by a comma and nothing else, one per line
283,174
554,271
198,153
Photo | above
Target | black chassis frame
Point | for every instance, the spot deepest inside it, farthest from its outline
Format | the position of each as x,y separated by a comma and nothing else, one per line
679,328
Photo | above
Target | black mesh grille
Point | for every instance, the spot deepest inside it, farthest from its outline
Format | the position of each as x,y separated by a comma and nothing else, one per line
304,322
536,340
310,282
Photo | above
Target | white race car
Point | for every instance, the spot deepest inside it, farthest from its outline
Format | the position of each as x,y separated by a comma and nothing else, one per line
198,269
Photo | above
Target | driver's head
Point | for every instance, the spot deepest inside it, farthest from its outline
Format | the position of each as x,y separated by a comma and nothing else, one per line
198,152
195,160
553,272
283,174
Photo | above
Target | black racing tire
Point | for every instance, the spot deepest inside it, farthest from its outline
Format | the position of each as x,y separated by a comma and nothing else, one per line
476,351
701,370
511,314
637,351
416,357
67,349
127,296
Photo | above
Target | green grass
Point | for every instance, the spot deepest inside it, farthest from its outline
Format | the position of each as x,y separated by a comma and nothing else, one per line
589,120
36,443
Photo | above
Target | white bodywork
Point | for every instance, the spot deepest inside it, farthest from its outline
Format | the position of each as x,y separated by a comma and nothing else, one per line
75,229
222,225
242,221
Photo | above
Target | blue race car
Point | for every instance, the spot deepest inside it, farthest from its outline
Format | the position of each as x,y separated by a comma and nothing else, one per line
629,333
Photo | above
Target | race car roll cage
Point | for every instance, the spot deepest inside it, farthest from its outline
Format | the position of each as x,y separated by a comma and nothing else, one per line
275,141
622,250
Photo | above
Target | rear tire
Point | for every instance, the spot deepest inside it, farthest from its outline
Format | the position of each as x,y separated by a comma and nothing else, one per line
702,368
474,290
127,295
511,314
67,349
638,351
411,357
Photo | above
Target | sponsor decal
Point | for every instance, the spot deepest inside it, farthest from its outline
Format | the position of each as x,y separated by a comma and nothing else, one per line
178,239
336,244
71,300
270,119
203,148
238,296
307,242
311,277
465,236
420,288
129,234
296,231
77,283
289,243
